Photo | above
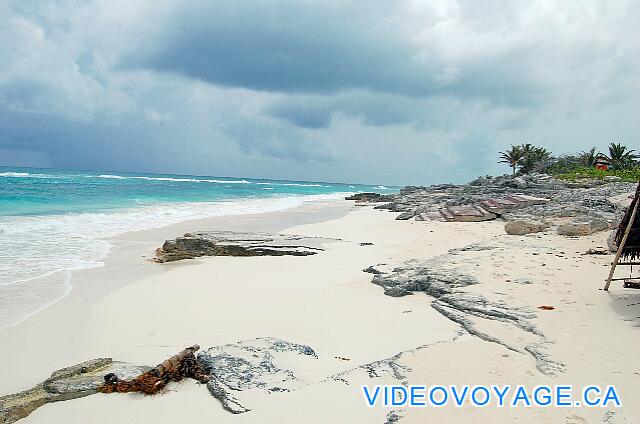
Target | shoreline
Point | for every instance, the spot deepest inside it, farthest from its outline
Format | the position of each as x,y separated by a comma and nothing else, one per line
118,268
44,291
489,330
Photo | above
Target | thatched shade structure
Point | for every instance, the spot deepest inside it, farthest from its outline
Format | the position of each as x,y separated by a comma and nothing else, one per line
631,248
628,240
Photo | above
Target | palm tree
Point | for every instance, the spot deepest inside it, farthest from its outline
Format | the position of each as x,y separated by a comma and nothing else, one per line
532,155
512,157
621,157
590,156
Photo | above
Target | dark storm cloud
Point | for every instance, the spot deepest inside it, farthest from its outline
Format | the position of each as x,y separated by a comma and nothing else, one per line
288,46
336,90
376,109
334,59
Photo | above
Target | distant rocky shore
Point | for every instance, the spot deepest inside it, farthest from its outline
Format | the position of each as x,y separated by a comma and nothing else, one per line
528,204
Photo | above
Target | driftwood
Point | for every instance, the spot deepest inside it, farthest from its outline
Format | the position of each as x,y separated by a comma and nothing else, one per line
182,365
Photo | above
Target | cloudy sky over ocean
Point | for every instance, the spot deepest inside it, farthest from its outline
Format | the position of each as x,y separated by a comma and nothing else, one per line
391,92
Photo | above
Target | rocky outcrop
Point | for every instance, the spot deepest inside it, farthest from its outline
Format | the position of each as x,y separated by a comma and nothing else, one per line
68,383
524,226
231,369
535,197
416,276
584,226
446,286
230,243
371,197
251,364
469,213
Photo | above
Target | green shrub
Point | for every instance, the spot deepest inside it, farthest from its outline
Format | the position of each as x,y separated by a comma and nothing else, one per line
631,174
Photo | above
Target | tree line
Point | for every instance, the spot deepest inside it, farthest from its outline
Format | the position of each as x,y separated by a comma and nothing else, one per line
525,158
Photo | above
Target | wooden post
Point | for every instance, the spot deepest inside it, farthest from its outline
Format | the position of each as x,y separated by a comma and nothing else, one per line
622,243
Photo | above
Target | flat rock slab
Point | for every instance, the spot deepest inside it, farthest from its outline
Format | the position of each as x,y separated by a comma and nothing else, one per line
231,243
469,213
68,383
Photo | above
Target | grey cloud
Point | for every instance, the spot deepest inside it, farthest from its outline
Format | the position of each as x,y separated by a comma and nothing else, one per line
287,46
256,136
353,91
369,108
314,48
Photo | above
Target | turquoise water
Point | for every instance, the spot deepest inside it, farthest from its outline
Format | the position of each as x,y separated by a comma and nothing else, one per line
55,221
30,191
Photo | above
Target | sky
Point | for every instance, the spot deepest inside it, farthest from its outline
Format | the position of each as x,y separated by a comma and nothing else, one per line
382,92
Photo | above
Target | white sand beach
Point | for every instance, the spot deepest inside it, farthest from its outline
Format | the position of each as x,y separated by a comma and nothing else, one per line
319,212
142,312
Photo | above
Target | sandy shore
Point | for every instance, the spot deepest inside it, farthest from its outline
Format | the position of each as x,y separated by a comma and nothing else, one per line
142,312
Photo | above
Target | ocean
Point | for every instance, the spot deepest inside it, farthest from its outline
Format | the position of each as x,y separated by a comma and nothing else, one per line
54,221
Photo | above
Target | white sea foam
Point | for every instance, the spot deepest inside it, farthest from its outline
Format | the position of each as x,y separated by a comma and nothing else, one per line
302,185
36,249
295,184
190,180
27,175
14,174
381,187
108,176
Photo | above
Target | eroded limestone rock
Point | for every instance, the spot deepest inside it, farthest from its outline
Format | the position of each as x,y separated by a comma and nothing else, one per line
67,383
521,227
584,227
538,197
371,197
446,286
251,364
231,243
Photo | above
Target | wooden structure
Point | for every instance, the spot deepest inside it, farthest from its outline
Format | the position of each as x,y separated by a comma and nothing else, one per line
628,241
602,163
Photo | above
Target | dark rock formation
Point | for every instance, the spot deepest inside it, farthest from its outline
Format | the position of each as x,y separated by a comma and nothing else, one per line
417,276
230,369
251,364
446,287
393,417
371,197
229,243
513,198
68,383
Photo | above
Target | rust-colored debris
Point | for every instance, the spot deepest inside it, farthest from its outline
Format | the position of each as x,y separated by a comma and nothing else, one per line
182,365
546,308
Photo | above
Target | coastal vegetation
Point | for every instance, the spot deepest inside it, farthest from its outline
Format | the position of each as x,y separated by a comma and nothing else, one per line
619,161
